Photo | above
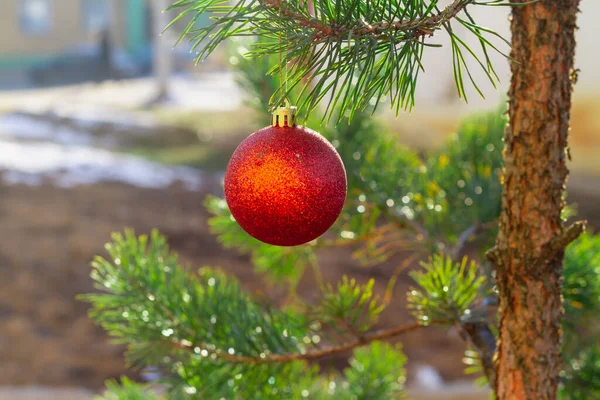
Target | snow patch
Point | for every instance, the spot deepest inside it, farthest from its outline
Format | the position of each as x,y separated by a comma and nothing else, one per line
78,128
216,91
427,377
68,166
21,126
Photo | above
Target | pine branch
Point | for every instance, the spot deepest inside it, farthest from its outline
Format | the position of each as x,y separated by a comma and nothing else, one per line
412,28
312,355
346,54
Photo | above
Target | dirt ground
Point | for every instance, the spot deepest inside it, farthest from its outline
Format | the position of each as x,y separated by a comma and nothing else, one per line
49,236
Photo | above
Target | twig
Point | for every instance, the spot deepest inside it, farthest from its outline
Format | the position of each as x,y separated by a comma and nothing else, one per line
483,341
404,222
376,232
281,358
560,242
392,282
464,237
316,271
415,28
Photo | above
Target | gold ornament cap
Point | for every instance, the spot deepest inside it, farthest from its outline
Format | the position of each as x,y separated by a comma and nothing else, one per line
285,115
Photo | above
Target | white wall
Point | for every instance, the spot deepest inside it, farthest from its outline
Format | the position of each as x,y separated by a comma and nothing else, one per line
436,85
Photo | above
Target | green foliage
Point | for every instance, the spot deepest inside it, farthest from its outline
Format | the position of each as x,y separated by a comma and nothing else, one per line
278,263
204,379
463,187
379,168
581,289
376,372
351,305
448,290
581,286
126,390
581,377
357,52
208,336
150,302
431,200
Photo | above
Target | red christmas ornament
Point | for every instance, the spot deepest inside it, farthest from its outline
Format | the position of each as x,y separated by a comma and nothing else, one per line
285,184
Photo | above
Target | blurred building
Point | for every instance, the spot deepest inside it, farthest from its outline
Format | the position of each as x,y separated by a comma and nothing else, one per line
49,38
32,31
53,42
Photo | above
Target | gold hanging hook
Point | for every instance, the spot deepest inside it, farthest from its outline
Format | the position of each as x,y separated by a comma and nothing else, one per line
285,115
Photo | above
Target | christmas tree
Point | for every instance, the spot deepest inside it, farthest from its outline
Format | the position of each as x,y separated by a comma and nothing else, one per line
340,60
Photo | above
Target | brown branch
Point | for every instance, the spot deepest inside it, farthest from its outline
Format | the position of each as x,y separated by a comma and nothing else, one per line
482,339
560,242
392,282
464,237
555,246
415,28
281,358
375,233
403,222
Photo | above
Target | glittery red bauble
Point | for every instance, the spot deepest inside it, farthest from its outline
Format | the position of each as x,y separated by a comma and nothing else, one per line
285,185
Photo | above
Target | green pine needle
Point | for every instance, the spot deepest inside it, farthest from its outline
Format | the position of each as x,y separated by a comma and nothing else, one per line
447,290
347,55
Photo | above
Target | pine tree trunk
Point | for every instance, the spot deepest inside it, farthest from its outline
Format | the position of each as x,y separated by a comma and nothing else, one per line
530,245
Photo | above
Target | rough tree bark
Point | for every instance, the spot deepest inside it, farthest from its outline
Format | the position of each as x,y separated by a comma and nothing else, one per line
530,245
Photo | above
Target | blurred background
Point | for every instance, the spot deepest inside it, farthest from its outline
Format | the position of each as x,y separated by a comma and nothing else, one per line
104,125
